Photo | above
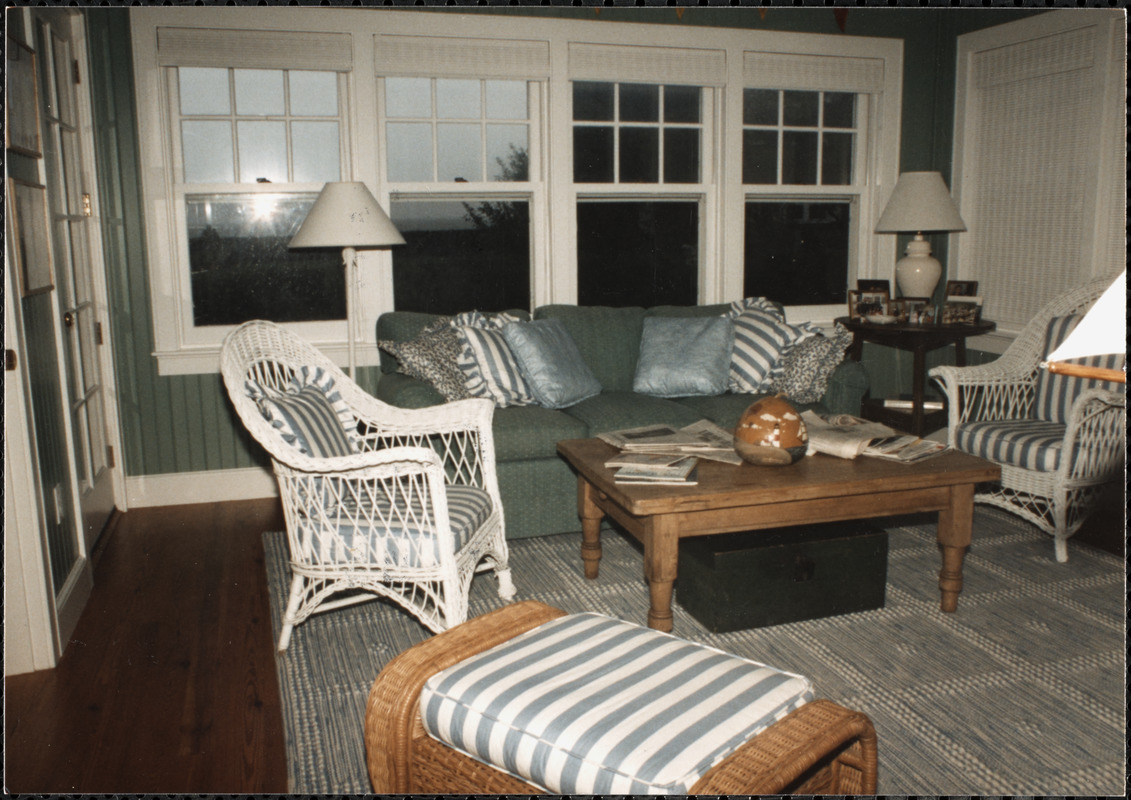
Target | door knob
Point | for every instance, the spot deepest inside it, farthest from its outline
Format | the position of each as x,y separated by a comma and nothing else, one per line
69,319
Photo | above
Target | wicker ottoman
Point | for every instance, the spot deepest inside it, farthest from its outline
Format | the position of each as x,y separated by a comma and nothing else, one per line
819,748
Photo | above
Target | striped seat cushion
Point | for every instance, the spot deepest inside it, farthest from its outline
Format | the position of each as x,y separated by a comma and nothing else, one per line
371,532
1025,443
588,704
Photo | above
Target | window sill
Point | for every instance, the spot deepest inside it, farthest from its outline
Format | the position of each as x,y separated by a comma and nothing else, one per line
206,360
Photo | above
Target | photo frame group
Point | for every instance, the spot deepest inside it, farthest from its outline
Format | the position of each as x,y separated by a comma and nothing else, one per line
870,297
963,304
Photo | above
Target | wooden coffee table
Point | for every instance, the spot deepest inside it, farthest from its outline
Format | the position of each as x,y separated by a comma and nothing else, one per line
729,498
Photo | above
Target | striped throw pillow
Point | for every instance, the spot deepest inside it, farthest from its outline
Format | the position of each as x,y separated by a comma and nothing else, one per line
489,367
312,416
761,338
588,704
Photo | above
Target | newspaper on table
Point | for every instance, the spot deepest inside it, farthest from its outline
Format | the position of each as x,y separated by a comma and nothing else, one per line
846,436
703,439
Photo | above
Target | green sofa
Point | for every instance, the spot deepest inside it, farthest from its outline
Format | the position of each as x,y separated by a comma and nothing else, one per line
539,490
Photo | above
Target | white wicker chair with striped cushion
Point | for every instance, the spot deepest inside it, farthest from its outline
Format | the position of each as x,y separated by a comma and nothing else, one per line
399,503
1058,439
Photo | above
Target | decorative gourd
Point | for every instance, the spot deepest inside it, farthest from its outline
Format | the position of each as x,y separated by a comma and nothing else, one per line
771,432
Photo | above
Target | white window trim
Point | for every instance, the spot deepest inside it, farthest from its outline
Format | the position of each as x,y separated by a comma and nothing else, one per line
553,52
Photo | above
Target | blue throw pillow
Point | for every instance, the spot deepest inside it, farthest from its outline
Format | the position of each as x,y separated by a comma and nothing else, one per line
684,356
550,362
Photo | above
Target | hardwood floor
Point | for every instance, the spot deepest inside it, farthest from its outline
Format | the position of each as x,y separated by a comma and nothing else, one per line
169,683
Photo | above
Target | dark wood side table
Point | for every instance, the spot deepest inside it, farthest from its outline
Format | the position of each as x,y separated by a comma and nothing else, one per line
919,339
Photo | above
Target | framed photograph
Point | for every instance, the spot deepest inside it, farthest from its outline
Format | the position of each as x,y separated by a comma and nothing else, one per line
22,110
870,303
873,285
30,255
961,288
919,310
960,313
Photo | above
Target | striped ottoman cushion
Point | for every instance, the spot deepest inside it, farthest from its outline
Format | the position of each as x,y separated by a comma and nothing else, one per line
589,704
1026,443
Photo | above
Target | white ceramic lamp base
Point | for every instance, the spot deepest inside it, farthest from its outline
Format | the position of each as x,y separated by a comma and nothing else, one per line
917,273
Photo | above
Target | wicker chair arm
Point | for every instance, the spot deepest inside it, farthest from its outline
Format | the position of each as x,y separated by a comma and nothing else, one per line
983,393
1095,438
404,459
474,413
393,709
792,755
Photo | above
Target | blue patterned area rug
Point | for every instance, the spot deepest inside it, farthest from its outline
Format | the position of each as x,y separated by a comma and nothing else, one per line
1021,692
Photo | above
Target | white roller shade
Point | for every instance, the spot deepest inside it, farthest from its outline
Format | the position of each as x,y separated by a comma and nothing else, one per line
818,73
607,62
442,56
207,47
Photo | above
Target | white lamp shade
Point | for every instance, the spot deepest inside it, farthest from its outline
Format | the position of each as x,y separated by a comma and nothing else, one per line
346,214
920,202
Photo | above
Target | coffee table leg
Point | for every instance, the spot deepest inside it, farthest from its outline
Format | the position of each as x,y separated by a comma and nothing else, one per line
956,523
591,517
661,558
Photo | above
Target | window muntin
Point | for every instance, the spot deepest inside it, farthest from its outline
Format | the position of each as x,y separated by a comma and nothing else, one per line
636,133
456,130
796,251
798,138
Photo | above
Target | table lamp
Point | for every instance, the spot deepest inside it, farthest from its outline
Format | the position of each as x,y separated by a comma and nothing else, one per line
347,215
1102,331
920,202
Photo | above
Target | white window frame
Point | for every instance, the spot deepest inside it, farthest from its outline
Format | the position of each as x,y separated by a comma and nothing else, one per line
553,52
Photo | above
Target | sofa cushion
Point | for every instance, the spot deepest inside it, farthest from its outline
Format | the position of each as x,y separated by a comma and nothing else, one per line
607,338
589,704
533,432
550,363
490,367
761,338
610,411
401,326
432,356
684,356
804,370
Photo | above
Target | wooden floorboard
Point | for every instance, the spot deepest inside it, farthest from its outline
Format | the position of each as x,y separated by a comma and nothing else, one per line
169,683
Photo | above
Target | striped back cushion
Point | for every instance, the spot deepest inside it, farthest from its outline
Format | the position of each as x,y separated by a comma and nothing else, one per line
761,338
588,704
490,368
1055,393
311,416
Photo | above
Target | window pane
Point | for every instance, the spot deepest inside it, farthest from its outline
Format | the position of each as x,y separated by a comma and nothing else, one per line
639,155
506,100
461,256
681,155
259,91
637,253
458,99
315,149
409,151
204,90
759,107
592,154
639,102
759,157
242,268
207,151
681,104
800,108
408,97
314,94
797,252
836,159
459,152
507,156
799,157
263,151
840,110
593,101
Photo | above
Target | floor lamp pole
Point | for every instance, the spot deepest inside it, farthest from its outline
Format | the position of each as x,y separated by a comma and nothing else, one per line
349,257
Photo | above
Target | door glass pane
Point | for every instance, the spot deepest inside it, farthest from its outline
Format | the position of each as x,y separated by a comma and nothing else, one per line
800,108
506,100
759,107
242,268
409,150
836,159
639,102
458,99
507,155
313,94
592,154
263,151
797,252
462,255
759,156
640,253
408,97
681,104
204,90
799,157
315,148
459,152
681,155
639,155
593,101
64,92
207,151
259,92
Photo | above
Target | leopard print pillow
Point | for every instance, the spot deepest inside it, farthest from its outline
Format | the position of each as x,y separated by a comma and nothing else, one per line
803,372
431,357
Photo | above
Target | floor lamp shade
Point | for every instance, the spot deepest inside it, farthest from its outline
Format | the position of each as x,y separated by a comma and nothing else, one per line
346,215
920,202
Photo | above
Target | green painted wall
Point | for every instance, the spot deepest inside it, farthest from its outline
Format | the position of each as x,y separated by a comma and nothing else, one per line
185,424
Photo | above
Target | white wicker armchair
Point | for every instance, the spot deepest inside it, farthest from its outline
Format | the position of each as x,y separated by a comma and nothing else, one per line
1058,439
411,513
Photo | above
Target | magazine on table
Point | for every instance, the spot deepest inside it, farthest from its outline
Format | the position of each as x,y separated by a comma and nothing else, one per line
682,472
703,439
846,436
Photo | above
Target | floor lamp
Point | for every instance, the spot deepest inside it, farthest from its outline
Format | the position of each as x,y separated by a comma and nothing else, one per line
347,215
